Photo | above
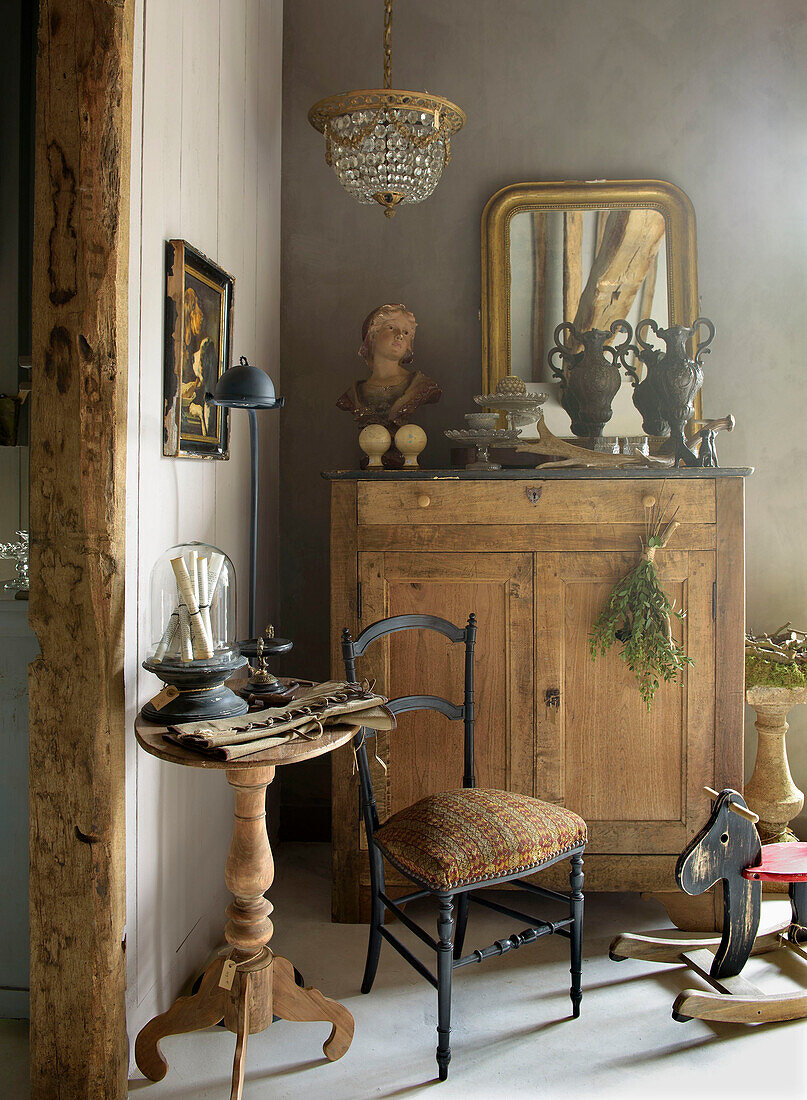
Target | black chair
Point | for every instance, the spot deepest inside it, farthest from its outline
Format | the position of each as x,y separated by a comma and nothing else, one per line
449,843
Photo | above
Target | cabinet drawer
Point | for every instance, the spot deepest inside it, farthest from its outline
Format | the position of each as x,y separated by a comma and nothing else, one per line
527,502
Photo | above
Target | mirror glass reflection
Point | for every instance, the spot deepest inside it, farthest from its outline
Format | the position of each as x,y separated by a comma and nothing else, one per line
589,267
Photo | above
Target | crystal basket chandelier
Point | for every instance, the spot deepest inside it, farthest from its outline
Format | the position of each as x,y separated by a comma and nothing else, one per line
387,146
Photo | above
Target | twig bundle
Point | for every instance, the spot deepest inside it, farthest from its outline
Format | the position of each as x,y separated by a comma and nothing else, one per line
777,659
638,614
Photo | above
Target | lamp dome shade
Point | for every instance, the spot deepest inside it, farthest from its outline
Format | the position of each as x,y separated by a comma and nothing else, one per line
245,387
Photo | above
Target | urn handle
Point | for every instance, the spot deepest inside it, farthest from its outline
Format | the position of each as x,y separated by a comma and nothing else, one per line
565,351
562,327
557,371
616,349
648,322
633,374
703,348
621,325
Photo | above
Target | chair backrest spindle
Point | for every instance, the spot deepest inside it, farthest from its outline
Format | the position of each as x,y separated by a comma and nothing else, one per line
469,778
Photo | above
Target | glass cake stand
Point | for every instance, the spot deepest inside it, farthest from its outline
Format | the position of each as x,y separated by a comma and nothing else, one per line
520,409
482,440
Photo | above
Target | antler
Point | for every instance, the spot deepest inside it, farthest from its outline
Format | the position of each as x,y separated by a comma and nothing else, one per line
723,424
570,455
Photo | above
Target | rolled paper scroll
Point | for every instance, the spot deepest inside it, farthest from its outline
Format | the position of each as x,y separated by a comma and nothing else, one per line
200,640
175,644
213,575
166,643
204,597
186,643
193,556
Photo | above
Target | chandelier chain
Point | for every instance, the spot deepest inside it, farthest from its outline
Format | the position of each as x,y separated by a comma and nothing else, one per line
387,43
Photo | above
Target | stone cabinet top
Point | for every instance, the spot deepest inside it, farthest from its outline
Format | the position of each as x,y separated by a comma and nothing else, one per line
562,474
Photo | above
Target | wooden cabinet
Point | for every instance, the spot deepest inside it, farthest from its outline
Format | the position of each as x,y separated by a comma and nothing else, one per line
535,557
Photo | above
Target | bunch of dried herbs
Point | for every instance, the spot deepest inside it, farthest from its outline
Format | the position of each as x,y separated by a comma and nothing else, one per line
638,614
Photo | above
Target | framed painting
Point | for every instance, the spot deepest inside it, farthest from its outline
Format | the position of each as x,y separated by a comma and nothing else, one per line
198,332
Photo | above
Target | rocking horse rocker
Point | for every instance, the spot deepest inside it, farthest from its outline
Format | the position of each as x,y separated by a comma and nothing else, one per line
728,848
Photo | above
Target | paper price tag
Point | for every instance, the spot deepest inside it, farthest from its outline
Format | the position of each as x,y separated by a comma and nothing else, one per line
161,700
228,974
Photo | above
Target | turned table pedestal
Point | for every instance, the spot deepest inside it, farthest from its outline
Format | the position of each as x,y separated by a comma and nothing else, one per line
251,985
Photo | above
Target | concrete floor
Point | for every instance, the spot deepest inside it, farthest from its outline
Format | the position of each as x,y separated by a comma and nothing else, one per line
512,1034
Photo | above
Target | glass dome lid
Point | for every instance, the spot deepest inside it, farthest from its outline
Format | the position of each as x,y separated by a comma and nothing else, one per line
193,602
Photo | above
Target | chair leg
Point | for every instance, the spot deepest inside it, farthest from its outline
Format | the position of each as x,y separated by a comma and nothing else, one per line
376,920
576,938
445,928
463,903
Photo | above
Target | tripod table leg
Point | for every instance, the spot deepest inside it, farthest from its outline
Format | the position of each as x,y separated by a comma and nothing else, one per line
290,1002
201,1010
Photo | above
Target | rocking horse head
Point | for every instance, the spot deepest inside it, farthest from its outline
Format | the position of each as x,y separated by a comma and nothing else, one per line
725,846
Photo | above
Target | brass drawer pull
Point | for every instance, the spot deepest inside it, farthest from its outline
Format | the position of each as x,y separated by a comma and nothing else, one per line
424,501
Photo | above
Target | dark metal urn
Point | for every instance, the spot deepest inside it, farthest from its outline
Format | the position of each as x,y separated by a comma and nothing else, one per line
665,396
201,689
590,378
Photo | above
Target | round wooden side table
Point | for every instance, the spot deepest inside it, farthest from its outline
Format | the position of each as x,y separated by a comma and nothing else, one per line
251,984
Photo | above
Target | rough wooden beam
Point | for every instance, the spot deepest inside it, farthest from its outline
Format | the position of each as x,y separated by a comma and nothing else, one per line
649,290
78,439
539,296
629,245
602,218
572,262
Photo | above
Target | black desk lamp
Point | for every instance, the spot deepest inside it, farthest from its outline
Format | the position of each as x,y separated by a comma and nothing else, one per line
246,387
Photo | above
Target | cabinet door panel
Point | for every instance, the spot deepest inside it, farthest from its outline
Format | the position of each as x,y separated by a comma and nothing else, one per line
424,754
634,775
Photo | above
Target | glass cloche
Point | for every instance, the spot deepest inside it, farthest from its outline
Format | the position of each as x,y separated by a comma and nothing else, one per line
193,635
193,605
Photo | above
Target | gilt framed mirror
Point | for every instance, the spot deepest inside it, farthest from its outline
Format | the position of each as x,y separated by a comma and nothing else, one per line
585,252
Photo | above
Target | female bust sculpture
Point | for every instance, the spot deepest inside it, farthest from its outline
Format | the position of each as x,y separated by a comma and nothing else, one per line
392,393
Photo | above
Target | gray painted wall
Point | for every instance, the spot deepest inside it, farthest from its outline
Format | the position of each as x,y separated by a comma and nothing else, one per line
709,94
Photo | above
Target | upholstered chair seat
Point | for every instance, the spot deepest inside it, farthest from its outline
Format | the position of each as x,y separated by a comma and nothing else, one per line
457,838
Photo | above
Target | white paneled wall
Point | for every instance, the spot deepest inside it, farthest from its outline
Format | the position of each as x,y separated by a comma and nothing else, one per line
205,168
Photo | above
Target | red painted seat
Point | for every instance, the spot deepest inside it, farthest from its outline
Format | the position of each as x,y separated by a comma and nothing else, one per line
780,863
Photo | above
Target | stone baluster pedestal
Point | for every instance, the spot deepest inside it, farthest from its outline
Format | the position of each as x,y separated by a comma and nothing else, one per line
771,792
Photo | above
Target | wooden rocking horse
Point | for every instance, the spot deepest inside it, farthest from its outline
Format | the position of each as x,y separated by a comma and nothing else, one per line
728,848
